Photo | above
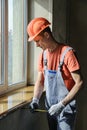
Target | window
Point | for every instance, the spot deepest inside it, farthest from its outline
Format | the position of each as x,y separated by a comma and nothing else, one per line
13,45
16,71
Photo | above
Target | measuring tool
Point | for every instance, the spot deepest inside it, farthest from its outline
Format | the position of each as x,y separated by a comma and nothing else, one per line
37,110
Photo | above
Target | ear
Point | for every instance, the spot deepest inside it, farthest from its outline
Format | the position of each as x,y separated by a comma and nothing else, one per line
46,34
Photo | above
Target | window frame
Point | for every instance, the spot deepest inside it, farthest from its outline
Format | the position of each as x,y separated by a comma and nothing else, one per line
4,88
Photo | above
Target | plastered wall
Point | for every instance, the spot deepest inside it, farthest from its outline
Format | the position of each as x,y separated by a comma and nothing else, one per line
70,26
37,8
78,38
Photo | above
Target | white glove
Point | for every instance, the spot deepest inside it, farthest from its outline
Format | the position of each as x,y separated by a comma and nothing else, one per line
56,109
35,100
34,104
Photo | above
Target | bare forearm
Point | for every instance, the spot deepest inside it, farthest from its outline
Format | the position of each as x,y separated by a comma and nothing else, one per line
39,86
71,94
78,85
38,89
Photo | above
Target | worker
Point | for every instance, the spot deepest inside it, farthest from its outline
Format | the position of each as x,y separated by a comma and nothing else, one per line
59,73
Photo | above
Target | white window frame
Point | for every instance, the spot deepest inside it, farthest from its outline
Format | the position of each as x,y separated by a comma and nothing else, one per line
4,87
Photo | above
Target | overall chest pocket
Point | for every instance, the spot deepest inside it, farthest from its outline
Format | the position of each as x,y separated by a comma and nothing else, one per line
51,77
51,83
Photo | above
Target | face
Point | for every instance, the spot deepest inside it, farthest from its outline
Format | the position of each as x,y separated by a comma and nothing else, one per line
41,42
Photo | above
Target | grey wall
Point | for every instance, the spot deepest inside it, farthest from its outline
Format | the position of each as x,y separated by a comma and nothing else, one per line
59,20
36,8
78,38
70,26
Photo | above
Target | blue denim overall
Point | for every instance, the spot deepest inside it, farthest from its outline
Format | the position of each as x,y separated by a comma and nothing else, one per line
55,92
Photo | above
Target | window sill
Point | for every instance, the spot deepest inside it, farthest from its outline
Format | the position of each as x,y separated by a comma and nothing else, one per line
15,100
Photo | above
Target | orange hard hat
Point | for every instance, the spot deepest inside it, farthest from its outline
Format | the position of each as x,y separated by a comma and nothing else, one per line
36,26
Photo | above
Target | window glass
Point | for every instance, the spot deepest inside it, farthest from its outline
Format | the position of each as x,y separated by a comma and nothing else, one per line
16,49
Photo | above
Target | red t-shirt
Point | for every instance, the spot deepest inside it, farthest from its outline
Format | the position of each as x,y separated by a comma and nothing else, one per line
70,63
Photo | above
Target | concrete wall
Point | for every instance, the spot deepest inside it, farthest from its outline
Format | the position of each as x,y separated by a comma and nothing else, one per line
37,8
78,38
70,26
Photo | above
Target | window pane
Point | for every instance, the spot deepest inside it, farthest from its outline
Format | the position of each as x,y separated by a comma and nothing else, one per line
0,41
16,66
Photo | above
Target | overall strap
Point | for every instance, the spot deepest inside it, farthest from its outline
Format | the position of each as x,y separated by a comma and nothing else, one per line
44,59
63,56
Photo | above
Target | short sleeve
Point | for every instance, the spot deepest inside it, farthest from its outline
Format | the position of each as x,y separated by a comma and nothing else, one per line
40,62
71,61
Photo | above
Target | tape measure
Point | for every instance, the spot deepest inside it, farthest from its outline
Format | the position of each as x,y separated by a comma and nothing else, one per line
37,110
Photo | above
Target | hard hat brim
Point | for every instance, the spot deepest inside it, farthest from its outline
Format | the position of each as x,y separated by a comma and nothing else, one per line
32,38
